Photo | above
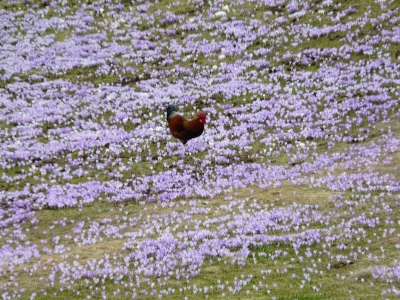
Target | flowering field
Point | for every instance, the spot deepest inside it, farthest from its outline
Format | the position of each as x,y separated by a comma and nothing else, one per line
292,191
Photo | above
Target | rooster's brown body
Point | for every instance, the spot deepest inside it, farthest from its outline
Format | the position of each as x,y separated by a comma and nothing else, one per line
183,129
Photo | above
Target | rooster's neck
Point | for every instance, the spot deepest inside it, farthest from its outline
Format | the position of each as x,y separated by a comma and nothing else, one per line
195,126
172,115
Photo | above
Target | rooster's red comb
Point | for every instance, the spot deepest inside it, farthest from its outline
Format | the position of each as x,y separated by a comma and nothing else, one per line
201,116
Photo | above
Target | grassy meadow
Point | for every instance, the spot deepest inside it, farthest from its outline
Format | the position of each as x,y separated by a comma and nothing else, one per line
292,191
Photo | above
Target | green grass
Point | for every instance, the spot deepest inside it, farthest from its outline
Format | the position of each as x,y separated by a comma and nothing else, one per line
280,273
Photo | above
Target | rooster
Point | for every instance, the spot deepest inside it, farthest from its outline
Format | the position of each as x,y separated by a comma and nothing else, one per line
183,129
